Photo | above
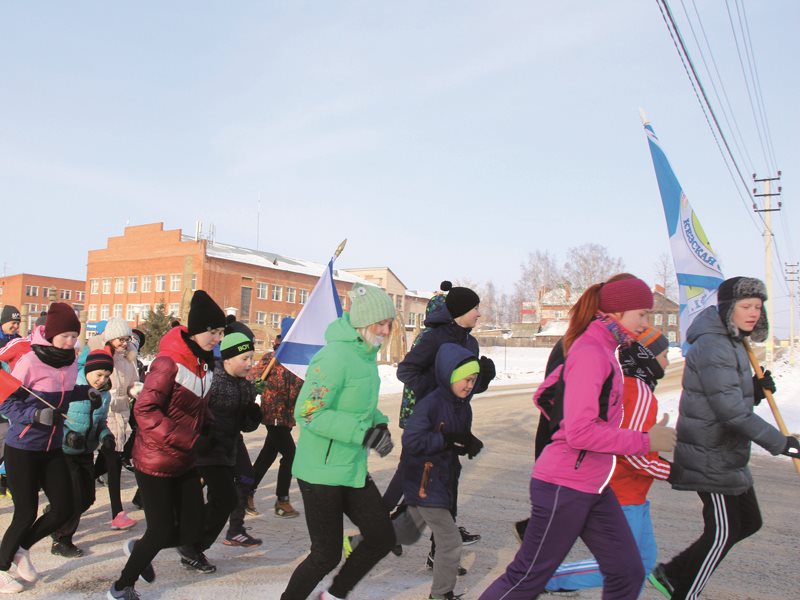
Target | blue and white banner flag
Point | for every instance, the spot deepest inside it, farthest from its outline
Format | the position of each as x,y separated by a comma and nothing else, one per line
307,334
696,265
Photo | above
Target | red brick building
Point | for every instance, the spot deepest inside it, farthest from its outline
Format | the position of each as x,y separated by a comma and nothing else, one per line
147,266
665,316
32,294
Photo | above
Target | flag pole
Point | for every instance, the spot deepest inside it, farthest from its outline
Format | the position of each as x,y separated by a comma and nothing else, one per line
336,254
770,400
38,397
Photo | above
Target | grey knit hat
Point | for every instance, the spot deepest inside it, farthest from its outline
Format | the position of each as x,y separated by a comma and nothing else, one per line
368,305
117,327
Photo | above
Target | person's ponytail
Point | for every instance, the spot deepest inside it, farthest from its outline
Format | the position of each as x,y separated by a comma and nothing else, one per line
581,314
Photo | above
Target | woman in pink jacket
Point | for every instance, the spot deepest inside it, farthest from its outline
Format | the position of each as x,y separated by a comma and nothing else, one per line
570,497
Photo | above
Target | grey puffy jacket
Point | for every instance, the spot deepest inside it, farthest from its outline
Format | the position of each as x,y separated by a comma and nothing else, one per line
716,423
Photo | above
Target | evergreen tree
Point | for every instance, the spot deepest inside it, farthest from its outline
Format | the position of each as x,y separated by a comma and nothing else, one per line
154,327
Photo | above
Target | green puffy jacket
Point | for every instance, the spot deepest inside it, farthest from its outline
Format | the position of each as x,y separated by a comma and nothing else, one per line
337,404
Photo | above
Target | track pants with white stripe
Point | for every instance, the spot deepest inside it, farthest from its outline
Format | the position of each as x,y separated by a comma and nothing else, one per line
728,519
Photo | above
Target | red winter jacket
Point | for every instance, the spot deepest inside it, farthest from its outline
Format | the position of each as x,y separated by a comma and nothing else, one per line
171,409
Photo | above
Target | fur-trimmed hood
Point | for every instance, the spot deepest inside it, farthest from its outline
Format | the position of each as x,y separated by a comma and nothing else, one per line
738,288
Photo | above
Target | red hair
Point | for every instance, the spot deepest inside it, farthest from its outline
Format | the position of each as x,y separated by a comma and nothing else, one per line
584,310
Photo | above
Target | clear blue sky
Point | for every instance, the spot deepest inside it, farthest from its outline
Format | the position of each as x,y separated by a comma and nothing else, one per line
445,139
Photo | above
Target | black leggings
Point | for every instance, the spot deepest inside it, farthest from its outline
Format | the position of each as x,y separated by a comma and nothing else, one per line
173,508
243,474
279,440
222,499
27,472
81,472
325,506
110,462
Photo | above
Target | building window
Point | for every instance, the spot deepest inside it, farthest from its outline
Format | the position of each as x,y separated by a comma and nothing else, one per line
80,295
32,308
92,312
31,290
147,283
303,296
65,294
671,319
277,293
45,292
275,320
106,285
658,319
175,310
672,337
161,283
194,281
133,284
412,319
291,294
261,290
130,314
119,285
175,282
398,302
261,317
104,312
94,286
144,311
118,310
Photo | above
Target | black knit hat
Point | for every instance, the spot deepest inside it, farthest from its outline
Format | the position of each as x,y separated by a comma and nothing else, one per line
204,314
460,300
234,326
142,337
738,288
98,360
10,313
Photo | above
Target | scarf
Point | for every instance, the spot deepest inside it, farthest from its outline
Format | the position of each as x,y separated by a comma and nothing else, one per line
54,357
639,361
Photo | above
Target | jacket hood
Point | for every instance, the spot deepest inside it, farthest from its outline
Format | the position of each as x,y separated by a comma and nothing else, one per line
448,358
174,345
341,330
439,315
708,321
37,336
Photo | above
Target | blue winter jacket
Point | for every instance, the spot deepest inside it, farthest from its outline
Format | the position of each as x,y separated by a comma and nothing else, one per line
439,412
91,424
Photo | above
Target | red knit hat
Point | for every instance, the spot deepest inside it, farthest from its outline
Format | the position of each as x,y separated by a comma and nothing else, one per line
60,318
625,294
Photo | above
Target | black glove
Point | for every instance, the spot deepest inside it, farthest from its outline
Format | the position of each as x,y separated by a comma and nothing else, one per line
75,440
379,439
474,447
488,372
792,447
759,385
95,399
44,416
457,441
675,472
109,442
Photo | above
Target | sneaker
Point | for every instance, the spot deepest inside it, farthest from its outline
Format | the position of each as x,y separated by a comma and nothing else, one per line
397,550
126,593
101,481
659,580
519,529
563,593
25,568
127,465
242,539
66,549
250,507
468,538
122,522
447,596
9,585
197,561
347,545
285,510
429,563
149,573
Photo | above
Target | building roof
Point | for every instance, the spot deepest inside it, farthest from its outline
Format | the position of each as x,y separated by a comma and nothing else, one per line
272,260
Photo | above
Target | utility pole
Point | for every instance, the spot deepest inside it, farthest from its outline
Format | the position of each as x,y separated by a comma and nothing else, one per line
769,240
791,277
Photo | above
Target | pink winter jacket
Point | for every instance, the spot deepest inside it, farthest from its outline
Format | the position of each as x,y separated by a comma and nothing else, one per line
592,357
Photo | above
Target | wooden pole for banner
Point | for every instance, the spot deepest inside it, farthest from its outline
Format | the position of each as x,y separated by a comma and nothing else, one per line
336,254
774,407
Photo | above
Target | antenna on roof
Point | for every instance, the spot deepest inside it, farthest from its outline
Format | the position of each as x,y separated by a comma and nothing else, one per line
198,230
211,229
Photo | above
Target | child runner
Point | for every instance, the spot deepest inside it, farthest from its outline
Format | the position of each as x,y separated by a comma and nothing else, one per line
33,444
569,490
715,430
339,421
171,411
643,364
84,431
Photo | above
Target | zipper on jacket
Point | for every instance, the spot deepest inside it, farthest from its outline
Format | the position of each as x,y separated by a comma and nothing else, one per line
24,431
328,453
423,484
578,462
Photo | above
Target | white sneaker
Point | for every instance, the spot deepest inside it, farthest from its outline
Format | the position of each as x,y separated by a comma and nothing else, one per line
25,568
9,585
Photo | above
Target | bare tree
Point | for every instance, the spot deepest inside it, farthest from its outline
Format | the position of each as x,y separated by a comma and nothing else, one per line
589,264
538,271
665,275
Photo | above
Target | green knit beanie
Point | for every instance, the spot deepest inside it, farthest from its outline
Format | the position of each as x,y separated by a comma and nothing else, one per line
368,305
234,344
